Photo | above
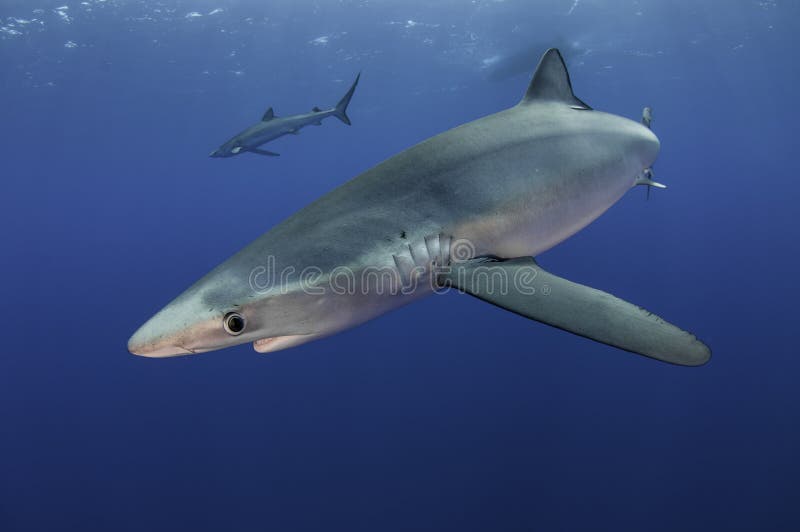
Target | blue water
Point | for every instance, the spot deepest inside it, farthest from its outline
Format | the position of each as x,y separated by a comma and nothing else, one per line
448,414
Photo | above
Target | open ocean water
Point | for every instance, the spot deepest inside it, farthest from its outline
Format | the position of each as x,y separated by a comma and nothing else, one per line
447,414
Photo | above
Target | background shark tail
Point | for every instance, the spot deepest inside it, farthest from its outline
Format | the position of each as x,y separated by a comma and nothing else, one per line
340,111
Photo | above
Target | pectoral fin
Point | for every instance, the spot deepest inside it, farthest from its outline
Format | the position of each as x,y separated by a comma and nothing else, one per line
523,287
263,152
646,179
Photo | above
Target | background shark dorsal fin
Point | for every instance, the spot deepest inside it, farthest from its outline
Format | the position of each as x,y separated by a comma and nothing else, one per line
269,115
551,82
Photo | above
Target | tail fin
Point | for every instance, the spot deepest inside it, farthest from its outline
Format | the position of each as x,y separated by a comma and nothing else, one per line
340,111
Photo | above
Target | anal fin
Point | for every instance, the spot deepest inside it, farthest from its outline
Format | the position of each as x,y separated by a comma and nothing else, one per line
526,289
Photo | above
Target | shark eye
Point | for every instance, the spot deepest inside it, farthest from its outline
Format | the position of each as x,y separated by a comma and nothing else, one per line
234,323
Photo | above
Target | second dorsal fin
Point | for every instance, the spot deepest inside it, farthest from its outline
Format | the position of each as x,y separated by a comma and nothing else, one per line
551,82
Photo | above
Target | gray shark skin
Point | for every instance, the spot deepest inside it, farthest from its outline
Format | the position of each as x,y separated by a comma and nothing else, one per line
488,194
272,127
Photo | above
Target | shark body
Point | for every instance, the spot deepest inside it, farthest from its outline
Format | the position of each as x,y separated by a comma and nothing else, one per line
474,203
272,127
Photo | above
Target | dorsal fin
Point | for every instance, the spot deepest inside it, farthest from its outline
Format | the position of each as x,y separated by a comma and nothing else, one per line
268,115
551,82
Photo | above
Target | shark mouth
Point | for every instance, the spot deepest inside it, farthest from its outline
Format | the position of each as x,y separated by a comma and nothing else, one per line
276,343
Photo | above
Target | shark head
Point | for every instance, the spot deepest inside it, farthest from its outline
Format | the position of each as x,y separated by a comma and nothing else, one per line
229,149
228,307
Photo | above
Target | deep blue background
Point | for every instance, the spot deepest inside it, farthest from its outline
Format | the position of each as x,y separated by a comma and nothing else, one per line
448,414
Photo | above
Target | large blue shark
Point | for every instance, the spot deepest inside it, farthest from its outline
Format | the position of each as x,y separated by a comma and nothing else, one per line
467,208
272,127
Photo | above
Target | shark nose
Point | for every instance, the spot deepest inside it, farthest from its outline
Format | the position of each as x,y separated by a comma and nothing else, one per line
155,349
147,342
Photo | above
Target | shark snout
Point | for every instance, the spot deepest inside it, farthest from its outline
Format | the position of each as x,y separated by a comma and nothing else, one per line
188,325
181,328
148,342
154,340
156,351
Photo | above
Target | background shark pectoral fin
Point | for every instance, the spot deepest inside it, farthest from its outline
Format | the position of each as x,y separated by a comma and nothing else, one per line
523,287
263,152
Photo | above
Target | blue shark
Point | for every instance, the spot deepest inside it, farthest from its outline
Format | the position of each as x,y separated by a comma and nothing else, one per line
272,127
469,208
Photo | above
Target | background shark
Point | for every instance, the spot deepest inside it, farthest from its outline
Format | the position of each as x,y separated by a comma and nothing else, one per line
272,127
507,186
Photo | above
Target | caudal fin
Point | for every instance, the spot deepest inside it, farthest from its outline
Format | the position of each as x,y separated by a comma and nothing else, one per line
340,111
